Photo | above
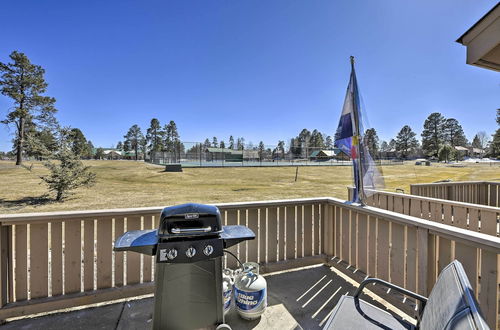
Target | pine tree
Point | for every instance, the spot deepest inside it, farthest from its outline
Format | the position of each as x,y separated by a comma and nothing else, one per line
384,146
329,142
154,136
316,139
134,139
371,141
215,144
446,153
262,149
172,138
99,153
206,144
281,148
119,145
24,82
453,133
433,134
231,142
69,173
222,145
392,145
406,141
78,143
40,144
240,144
495,144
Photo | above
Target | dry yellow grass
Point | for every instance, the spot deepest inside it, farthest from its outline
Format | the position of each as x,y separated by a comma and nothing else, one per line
123,184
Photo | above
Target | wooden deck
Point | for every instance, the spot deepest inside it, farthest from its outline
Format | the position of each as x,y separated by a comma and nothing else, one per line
297,299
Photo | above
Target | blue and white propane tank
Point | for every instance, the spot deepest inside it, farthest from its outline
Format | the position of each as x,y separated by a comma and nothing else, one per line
250,292
227,289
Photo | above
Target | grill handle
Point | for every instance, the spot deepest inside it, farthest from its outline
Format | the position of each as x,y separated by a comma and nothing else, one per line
191,230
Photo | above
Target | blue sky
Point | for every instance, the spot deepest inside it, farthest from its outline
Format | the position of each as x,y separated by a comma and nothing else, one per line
258,69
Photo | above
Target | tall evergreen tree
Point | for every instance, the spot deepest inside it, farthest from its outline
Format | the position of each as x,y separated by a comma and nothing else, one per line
406,141
90,147
69,173
119,145
453,133
262,149
240,144
222,144
392,145
172,138
281,148
446,153
78,143
495,143
154,136
433,134
206,144
40,143
316,139
371,141
328,142
215,143
24,83
231,142
134,139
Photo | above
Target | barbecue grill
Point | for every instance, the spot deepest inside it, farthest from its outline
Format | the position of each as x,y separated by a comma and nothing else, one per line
188,245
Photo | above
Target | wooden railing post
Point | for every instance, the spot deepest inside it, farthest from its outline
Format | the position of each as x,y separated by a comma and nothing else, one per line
328,230
4,264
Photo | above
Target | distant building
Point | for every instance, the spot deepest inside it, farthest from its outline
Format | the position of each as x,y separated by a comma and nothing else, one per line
114,154
470,152
328,154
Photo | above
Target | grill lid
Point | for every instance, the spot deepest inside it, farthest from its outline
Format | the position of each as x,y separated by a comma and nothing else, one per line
188,220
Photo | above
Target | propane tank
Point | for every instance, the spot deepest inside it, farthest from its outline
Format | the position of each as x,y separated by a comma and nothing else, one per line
227,289
250,292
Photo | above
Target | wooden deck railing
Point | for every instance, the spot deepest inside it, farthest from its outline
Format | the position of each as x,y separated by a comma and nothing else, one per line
50,261
64,259
475,217
475,192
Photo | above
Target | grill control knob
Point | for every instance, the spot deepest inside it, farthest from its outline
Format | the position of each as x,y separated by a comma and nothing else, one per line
208,250
172,254
190,252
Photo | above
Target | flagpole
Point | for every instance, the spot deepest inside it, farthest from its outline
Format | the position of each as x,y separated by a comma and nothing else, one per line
357,133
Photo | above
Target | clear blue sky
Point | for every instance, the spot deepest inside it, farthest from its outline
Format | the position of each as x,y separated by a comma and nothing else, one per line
258,69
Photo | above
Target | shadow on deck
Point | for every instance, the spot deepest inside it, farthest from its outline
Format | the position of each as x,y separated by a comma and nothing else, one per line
297,299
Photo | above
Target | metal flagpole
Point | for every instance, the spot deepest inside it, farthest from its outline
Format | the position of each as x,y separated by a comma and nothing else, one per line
357,133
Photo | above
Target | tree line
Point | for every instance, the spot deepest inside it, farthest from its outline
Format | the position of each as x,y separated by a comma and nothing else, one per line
440,137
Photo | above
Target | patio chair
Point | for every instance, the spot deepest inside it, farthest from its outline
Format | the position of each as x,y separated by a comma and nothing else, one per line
451,305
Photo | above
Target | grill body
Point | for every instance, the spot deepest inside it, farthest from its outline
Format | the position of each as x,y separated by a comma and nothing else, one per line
188,246
197,291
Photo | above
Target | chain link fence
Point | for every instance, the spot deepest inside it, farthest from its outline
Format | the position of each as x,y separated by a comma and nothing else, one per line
196,154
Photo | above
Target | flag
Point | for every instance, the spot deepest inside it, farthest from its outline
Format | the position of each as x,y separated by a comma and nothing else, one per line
349,139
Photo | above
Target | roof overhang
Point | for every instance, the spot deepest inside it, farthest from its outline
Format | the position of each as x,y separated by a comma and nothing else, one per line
483,41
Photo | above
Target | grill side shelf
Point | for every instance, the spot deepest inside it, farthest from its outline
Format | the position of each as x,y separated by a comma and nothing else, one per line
233,235
142,241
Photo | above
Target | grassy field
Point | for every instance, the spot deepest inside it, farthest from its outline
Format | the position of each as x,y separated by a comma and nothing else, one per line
123,184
